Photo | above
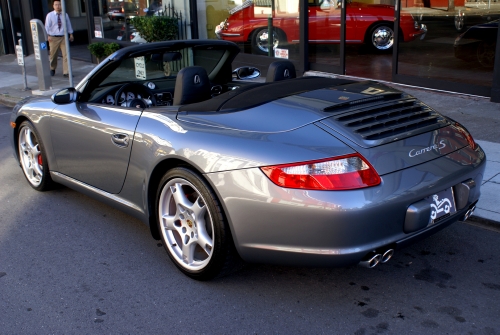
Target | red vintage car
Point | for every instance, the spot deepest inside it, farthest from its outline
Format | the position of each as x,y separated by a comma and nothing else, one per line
366,23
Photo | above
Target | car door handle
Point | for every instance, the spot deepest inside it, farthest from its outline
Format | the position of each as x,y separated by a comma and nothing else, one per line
120,140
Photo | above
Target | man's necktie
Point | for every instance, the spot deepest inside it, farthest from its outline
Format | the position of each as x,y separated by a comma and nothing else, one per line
59,21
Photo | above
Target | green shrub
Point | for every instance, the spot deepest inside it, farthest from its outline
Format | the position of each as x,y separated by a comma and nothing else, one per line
156,28
102,50
110,48
97,49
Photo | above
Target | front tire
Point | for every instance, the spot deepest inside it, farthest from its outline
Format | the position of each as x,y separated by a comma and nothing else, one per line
486,54
381,37
260,40
192,225
32,157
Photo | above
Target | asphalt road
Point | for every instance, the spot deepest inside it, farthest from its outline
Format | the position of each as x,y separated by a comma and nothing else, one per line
69,264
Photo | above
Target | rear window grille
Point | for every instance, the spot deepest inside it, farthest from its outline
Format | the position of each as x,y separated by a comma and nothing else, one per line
389,118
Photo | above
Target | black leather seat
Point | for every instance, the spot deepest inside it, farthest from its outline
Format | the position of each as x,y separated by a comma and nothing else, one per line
280,70
191,85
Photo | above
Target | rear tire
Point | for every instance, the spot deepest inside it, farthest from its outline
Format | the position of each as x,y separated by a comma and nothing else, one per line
192,226
32,157
381,37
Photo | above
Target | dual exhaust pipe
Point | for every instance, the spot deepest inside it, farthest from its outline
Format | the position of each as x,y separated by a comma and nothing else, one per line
469,213
373,259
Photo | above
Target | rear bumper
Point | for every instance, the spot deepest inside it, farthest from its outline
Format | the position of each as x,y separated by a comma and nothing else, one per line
324,228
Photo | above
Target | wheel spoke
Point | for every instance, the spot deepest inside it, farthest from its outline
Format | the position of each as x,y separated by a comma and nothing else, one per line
31,173
37,169
179,197
188,252
168,221
23,139
29,140
204,240
198,209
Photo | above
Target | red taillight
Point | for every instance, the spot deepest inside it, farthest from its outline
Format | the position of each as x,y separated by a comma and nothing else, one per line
467,135
339,173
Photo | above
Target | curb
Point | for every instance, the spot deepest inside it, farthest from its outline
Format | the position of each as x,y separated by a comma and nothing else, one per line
484,221
9,100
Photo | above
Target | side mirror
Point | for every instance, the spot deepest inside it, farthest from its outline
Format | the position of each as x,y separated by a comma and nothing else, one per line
246,72
65,96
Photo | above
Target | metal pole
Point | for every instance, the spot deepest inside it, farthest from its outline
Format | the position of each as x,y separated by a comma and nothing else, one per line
270,32
66,41
270,39
26,88
11,26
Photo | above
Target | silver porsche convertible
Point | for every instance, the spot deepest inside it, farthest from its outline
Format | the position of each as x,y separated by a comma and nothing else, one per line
227,168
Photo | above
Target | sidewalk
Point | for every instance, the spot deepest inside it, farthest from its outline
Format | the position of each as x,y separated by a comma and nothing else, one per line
479,115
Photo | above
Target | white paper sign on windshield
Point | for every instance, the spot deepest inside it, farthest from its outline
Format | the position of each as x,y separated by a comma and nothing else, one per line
140,68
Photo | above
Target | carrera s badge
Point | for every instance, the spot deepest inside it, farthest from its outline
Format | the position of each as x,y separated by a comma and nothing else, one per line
415,152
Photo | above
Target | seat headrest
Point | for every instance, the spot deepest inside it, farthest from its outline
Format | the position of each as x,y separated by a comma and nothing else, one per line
280,70
191,85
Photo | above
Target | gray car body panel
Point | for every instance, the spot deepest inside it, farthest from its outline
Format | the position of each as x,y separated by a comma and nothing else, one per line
268,223
299,227
82,140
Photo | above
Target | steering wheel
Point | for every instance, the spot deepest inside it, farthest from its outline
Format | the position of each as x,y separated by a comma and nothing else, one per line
144,91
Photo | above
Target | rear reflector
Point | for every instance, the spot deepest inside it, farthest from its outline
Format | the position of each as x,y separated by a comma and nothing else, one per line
339,173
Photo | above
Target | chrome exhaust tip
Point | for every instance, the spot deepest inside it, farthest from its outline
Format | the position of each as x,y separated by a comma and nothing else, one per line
469,213
387,256
371,261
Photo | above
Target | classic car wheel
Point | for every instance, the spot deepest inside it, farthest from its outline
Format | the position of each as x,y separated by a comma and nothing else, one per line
486,54
459,21
260,40
382,37
192,225
32,157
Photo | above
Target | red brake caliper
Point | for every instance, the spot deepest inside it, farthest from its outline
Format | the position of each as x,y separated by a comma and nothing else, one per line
40,162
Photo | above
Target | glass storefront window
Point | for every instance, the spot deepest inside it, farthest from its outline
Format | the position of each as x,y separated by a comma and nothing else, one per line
324,32
115,18
248,23
459,45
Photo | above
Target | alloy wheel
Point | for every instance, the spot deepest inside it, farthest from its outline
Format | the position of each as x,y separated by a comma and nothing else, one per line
30,155
186,224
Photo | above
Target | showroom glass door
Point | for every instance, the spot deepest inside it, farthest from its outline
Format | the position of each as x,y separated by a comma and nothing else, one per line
370,37
458,51
325,35
248,23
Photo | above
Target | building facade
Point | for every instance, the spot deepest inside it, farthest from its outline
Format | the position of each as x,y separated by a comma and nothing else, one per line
441,44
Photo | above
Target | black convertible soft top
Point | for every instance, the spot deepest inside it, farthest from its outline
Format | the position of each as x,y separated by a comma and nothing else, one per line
260,93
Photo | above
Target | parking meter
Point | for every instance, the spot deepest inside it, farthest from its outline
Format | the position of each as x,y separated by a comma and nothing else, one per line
40,47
